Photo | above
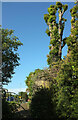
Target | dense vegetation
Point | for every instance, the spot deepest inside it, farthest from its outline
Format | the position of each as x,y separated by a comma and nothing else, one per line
8,109
53,91
10,59
24,96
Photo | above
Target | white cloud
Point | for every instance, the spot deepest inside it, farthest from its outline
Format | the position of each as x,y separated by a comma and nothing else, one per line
17,90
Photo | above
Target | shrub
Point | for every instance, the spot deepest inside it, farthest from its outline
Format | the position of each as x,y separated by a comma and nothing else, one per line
42,106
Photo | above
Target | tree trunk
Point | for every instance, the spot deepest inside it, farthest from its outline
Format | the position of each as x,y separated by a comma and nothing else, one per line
50,34
60,39
72,27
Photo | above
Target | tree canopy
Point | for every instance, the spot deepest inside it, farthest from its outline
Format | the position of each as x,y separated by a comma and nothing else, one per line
10,58
55,31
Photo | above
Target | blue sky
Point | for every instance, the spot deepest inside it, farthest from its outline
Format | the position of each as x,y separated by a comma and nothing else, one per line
26,18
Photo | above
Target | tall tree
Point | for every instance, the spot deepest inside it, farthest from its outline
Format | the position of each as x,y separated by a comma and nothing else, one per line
67,97
10,59
63,76
55,31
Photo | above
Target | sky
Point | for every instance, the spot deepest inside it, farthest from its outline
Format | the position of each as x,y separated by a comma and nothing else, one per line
26,18
37,0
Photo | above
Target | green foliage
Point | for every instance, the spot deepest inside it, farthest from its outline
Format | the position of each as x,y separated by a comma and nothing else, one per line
42,106
8,109
40,78
67,89
63,19
52,10
24,95
31,80
52,18
74,10
73,20
65,7
59,5
48,32
67,95
10,58
55,31
46,16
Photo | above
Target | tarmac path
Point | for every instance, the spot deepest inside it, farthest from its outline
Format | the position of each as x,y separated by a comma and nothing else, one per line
23,112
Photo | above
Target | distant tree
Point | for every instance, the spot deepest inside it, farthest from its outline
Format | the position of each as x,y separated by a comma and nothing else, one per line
24,95
10,59
55,31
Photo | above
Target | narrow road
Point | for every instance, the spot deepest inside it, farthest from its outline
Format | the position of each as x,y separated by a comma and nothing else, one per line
23,111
